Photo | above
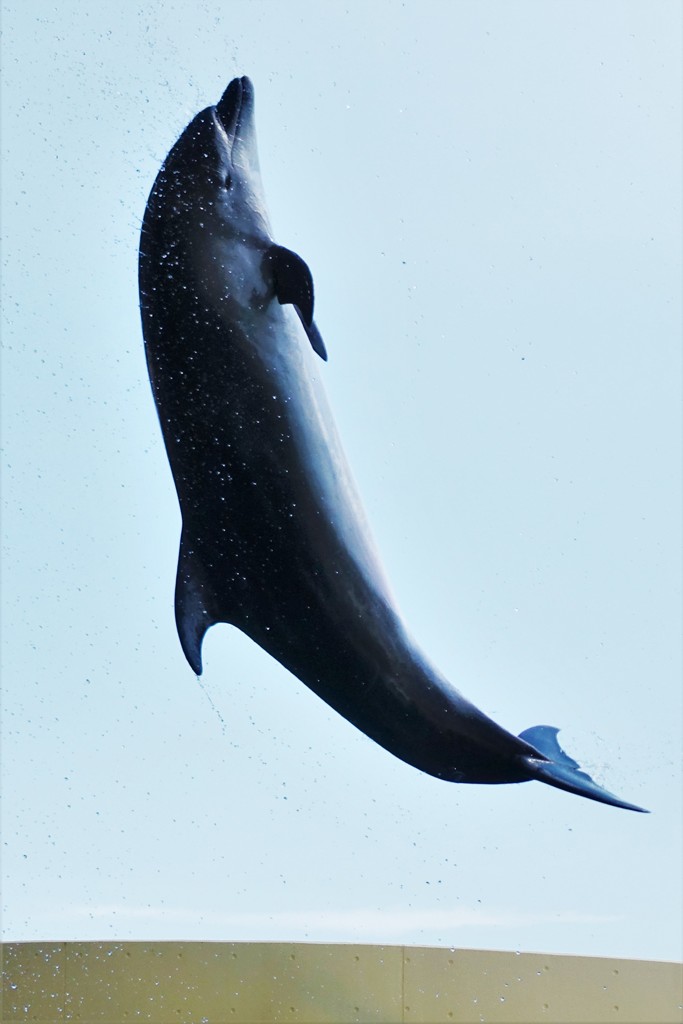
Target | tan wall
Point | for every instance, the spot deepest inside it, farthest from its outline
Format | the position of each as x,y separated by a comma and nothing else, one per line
259,982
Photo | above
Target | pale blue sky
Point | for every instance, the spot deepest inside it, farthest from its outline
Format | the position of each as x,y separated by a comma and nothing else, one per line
488,197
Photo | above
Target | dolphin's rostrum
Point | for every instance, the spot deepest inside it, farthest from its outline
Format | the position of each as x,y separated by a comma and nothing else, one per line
274,540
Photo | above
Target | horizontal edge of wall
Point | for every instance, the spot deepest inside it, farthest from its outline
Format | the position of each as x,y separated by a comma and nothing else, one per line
265,982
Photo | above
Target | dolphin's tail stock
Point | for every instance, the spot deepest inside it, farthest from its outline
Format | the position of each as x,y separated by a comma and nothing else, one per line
563,772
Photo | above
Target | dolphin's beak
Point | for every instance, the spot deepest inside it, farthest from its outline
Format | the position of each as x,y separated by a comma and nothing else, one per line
235,109
234,114
235,127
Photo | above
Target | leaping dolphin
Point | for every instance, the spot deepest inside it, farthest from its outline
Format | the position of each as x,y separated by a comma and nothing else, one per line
274,539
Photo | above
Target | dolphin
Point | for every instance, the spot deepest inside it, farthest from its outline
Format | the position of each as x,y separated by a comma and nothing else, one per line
274,539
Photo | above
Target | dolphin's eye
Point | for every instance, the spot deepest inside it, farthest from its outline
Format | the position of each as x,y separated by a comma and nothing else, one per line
227,182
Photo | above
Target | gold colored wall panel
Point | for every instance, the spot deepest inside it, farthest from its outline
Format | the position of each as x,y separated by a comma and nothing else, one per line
264,982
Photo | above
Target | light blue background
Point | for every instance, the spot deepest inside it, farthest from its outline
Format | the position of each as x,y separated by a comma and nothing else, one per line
488,196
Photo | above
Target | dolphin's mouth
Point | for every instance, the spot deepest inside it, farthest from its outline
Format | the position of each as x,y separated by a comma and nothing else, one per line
234,107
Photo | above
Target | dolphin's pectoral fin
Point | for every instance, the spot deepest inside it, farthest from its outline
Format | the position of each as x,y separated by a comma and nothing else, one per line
562,771
293,283
317,343
192,600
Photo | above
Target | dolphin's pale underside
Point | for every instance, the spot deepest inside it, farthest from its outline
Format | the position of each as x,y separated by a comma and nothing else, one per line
274,539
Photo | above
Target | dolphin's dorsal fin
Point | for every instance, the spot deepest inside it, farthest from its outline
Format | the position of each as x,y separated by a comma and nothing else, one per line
294,284
192,605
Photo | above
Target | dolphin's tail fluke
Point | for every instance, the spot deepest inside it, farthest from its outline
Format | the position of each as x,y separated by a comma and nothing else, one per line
563,772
